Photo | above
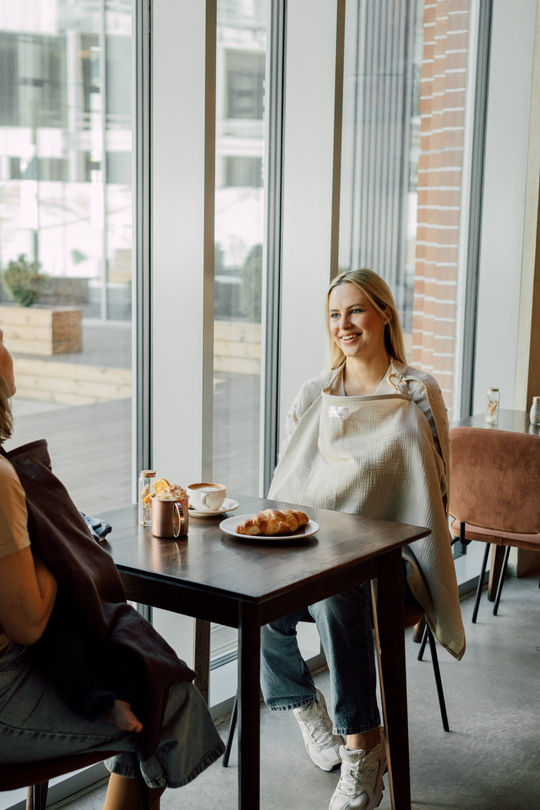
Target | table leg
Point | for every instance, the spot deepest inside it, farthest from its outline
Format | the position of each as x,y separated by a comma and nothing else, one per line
249,705
201,656
389,623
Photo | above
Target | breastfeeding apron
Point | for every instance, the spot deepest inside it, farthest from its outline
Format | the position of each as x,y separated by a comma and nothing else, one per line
376,456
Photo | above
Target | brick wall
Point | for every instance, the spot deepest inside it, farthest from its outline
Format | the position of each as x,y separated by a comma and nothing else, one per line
444,75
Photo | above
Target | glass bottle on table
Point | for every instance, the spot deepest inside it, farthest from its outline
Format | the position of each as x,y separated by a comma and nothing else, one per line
492,406
146,490
534,414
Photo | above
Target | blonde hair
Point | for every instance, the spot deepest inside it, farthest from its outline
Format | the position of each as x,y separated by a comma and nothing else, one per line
380,297
6,418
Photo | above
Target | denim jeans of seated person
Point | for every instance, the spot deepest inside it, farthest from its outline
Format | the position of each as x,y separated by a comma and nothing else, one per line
345,628
36,724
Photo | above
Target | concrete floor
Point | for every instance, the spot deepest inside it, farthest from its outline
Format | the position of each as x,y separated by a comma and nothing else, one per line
490,759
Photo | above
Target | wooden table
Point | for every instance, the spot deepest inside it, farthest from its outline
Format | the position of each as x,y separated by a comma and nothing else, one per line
245,584
514,422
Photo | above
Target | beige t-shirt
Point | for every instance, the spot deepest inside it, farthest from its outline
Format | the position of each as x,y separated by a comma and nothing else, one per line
13,522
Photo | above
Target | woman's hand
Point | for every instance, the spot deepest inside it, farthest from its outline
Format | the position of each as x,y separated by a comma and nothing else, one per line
27,594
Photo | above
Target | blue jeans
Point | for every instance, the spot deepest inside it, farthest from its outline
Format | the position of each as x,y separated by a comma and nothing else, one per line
36,724
344,625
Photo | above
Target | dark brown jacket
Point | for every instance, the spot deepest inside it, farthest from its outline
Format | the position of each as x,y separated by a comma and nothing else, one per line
89,581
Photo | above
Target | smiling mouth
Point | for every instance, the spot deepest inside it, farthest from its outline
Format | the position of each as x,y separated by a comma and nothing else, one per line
348,338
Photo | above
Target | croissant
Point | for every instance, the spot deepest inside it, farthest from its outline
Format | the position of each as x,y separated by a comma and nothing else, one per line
273,522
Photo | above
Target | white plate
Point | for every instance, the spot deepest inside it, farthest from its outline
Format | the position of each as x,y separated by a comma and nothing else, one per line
229,527
228,505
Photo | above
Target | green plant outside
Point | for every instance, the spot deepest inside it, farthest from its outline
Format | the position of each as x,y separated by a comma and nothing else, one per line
23,281
251,289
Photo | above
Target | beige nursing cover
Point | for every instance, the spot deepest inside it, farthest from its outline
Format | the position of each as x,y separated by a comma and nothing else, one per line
376,456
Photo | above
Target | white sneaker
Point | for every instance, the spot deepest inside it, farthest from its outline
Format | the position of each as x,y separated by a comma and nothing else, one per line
321,745
361,781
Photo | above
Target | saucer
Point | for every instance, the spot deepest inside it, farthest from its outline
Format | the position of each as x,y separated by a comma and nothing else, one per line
228,505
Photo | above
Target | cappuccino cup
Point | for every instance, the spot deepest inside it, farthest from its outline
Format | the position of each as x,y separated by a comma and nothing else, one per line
206,497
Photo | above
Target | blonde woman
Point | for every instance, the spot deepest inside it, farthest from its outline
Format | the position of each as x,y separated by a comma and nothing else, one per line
368,436
35,722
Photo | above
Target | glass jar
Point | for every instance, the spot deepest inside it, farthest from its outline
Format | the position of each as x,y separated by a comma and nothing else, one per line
492,406
146,490
534,414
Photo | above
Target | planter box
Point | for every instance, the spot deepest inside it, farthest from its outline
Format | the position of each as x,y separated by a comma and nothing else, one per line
41,330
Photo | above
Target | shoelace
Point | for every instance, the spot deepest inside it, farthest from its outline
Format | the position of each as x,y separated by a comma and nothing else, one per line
318,730
352,778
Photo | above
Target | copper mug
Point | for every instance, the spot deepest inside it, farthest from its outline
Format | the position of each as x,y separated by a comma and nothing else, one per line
169,518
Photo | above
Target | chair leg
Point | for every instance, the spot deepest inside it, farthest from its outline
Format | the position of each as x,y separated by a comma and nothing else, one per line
36,798
501,580
420,655
141,784
480,584
438,681
232,727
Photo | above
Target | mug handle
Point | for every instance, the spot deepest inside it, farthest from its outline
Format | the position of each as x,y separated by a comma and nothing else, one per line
204,501
181,519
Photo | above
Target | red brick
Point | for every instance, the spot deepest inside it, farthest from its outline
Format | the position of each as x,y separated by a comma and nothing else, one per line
446,237
439,83
429,308
429,51
446,328
452,137
426,105
418,323
445,346
459,5
443,363
457,41
442,8
456,60
441,216
453,118
444,310
454,80
450,198
430,13
459,22
438,104
448,255
447,273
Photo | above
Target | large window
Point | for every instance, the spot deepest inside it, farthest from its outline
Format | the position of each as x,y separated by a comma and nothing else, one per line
406,150
65,213
239,228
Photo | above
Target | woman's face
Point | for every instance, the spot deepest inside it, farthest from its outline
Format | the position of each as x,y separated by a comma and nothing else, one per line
6,366
355,325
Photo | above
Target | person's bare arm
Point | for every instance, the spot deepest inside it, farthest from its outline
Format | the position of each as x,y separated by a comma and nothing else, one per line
27,594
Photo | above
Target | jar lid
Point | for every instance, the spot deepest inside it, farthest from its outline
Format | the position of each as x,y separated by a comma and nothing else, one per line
493,389
536,400
148,474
